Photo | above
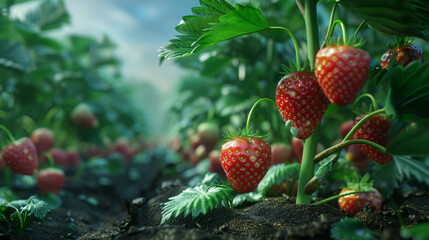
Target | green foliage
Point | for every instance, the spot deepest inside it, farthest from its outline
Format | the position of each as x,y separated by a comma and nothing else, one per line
351,229
277,174
213,22
14,55
23,212
50,14
408,96
389,176
197,200
412,141
246,197
395,17
416,232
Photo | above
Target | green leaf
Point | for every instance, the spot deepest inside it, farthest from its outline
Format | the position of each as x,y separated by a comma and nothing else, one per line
50,14
246,197
14,55
408,97
196,201
416,232
234,103
277,174
37,208
351,229
411,168
412,141
394,17
210,178
215,21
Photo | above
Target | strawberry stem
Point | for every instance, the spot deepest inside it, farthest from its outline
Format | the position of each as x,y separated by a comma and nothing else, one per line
295,43
249,116
331,20
357,31
361,122
50,159
336,148
9,134
338,196
343,29
374,104
310,145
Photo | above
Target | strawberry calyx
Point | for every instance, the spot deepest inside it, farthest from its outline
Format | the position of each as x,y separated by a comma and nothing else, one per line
364,184
243,133
293,67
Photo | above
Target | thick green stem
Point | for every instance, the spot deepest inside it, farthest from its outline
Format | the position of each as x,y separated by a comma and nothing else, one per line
310,145
336,148
307,167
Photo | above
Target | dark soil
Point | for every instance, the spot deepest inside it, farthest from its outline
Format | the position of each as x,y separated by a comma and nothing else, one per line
131,209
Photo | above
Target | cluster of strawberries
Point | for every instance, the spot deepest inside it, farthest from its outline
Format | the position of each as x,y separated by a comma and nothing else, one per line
302,98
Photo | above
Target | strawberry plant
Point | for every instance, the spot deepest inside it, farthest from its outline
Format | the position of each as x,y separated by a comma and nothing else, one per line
338,74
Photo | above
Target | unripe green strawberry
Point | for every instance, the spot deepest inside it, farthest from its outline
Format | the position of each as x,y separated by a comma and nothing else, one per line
43,139
50,180
404,55
301,102
245,160
354,203
341,72
377,130
209,134
21,156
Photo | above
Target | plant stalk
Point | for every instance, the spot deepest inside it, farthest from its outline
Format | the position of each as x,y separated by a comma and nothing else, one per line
310,145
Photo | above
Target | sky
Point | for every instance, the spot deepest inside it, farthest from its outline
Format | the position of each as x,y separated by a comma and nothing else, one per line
139,28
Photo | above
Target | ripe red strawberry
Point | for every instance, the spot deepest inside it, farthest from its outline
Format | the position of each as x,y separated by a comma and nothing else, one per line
345,128
83,115
301,102
50,180
73,158
376,129
215,165
59,156
341,72
21,157
354,203
43,139
404,55
245,160
281,152
209,134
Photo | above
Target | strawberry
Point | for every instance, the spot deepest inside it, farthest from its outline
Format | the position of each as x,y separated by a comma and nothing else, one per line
209,134
377,130
121,145
215,165
59,156
21,156
199,154
301,102
50,180
354,203
356,157
280,153
1,163
341,72
43,139
288,187
404,55
345,128
83,116
73,158
245,161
